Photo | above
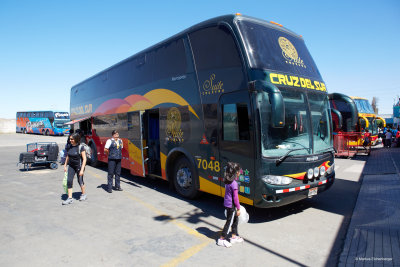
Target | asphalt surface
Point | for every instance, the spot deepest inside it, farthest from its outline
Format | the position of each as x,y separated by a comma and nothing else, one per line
148,224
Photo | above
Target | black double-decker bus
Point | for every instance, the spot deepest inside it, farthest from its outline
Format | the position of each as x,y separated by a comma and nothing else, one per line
232,88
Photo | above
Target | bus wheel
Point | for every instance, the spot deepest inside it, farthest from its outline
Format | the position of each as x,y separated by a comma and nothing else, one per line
47,132
93,161
54,165
184,178
24,131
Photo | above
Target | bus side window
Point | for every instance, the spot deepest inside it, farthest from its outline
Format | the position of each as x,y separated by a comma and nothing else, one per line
169,60
235,125
218,61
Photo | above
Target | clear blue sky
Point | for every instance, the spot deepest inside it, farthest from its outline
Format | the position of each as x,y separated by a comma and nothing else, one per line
46,47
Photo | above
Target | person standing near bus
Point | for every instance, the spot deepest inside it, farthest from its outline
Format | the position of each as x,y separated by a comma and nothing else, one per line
398,137
367,139
388,140
113,148
75,163
232,205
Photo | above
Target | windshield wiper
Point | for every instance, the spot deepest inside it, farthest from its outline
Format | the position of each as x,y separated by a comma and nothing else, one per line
330,149
281,159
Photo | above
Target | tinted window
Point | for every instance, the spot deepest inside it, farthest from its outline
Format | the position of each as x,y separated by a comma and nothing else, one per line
235,122
273,49
141,69
169,60
134,126
104,125
214,48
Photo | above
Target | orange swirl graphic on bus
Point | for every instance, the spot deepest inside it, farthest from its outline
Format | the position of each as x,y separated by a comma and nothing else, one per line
139,102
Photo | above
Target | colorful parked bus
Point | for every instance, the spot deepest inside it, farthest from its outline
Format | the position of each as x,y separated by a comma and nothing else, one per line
232,88
43,122
367,118
357,116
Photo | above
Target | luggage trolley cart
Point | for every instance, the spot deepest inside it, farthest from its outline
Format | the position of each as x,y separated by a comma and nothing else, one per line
39,154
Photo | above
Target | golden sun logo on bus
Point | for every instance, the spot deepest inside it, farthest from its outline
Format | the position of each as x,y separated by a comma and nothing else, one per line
289,52
173,131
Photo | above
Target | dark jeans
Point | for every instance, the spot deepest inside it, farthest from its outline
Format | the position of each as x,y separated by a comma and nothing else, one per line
231,220
114,167
388,142
71,173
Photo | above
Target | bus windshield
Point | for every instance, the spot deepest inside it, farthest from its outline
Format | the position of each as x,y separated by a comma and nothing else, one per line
61,124
273,49
364,106
372,125
307,125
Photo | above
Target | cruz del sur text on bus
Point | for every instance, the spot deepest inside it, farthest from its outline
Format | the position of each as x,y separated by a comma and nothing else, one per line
290,80
80,110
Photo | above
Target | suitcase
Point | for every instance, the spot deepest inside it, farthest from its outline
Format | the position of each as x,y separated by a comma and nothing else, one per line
53,152
27,157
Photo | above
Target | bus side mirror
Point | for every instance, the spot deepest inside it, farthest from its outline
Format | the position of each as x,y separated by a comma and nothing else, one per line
339,115
276,100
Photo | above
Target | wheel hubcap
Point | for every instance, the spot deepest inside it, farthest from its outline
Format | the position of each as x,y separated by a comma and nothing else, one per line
184,177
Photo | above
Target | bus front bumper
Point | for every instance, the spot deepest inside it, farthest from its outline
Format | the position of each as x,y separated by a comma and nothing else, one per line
281,197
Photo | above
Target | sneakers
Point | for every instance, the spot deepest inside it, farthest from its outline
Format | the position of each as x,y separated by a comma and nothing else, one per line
67,201
236,239
224,243
83,197
118,189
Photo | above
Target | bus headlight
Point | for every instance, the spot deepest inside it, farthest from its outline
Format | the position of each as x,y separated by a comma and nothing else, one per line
322,171
316,172
331,169
277,180
310,173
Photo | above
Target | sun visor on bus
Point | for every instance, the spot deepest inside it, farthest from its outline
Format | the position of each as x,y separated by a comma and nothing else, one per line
350,106
76,121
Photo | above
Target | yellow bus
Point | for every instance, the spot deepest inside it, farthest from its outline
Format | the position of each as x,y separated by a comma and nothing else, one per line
367,119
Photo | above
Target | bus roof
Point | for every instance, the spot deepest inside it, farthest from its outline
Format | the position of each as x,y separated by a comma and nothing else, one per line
357,97
43,111
213,21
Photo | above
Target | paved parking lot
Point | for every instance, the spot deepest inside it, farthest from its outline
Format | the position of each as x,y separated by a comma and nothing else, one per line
149,224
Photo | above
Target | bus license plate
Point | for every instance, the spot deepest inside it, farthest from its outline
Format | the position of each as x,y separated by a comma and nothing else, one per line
312,192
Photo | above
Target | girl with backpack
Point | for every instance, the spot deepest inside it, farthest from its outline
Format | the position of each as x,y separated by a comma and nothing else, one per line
231,203
75,163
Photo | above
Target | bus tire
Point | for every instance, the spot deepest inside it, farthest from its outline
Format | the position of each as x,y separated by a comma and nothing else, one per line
24,131
185,178
54,165
46,132
93,161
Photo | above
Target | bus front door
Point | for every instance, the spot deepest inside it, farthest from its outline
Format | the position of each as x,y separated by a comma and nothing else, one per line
236,140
